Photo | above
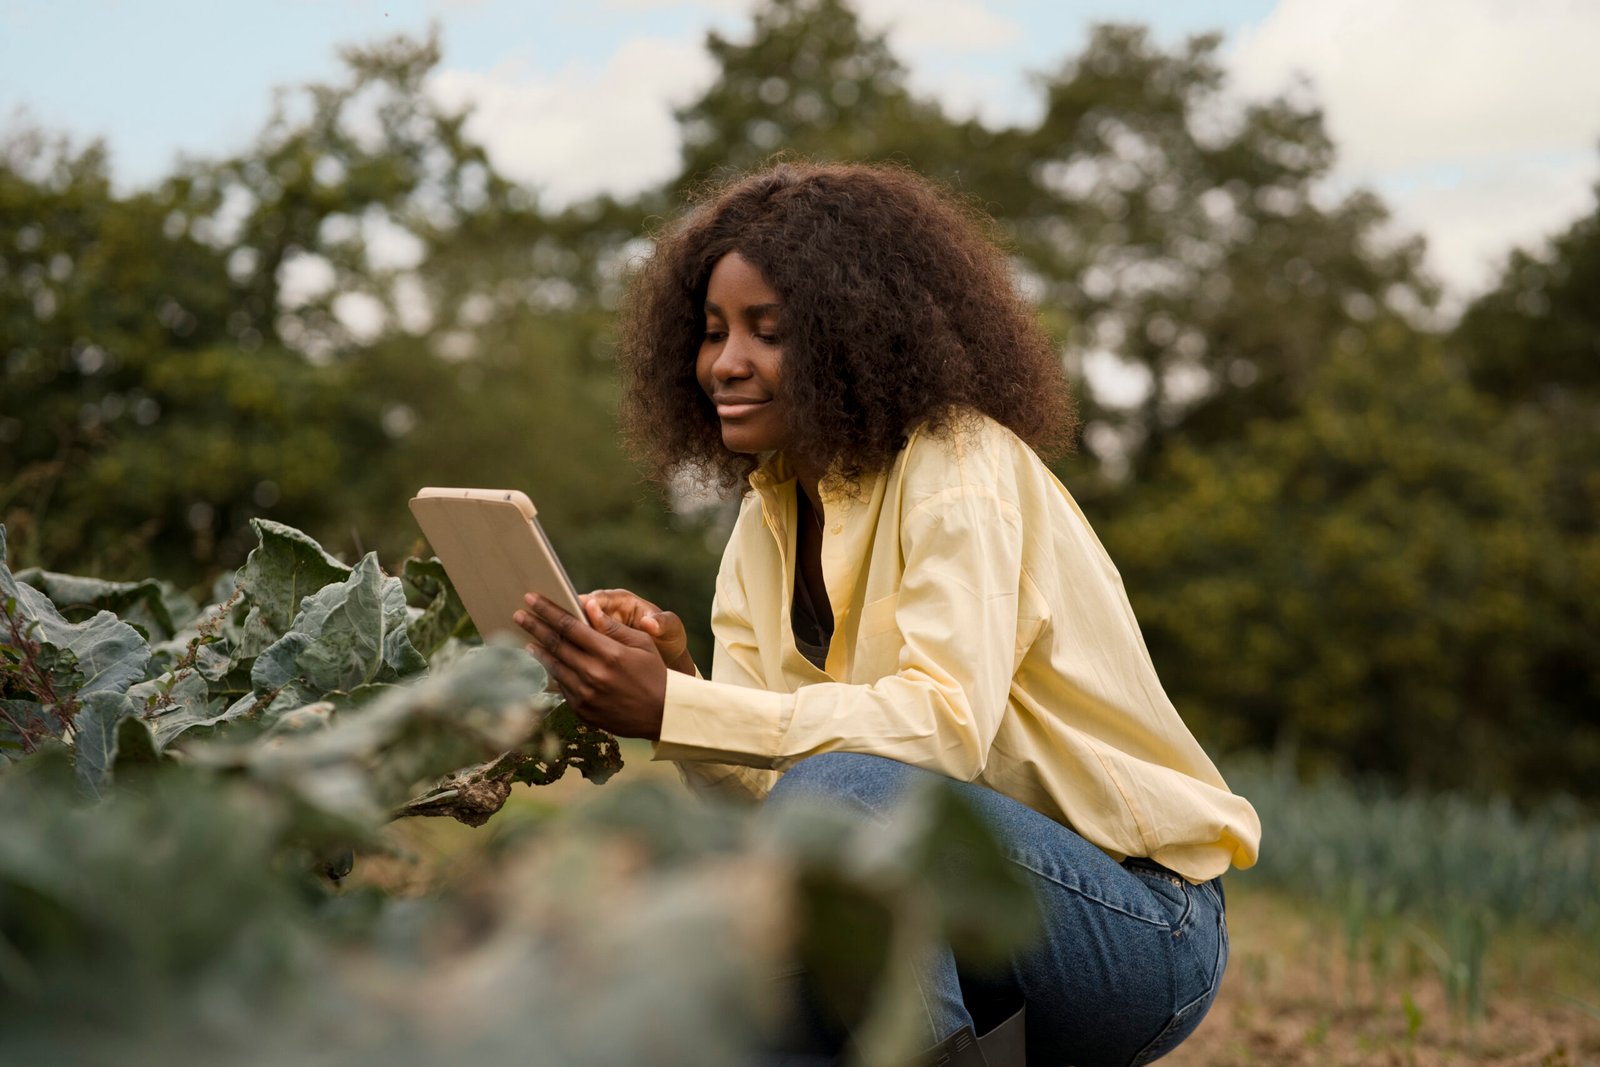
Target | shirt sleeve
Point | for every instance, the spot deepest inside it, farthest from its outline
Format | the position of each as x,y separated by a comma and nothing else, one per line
735,664
956,617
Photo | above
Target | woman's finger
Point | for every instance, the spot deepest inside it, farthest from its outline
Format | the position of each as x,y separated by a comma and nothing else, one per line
622,605
553,642
573,630
567,680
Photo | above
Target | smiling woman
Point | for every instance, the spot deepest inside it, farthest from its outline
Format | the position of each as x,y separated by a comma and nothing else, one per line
896,310
740,366
909,595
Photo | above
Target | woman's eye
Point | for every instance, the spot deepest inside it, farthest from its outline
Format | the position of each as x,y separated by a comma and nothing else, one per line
767,338
716,336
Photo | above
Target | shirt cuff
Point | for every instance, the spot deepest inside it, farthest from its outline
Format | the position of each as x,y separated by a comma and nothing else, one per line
722,723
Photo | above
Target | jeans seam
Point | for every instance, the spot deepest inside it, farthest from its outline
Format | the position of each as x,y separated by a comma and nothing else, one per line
1079,890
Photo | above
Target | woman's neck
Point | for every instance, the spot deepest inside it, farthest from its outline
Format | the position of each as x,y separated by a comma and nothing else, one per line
808,476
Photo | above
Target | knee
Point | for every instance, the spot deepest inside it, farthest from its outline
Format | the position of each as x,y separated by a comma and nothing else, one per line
869,782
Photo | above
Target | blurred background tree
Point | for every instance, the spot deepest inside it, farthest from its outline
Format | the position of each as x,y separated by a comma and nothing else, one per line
1349,532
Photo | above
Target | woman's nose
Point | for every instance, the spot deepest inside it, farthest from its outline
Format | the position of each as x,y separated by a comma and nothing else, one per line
732,360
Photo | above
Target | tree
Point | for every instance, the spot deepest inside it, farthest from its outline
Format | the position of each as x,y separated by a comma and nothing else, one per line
356,306
812,82
1532,344
141,419
1369,583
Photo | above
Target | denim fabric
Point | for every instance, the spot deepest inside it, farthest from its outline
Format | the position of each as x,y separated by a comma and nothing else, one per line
1130,955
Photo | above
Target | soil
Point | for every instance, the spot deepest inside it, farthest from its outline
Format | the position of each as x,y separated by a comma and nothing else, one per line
1290,997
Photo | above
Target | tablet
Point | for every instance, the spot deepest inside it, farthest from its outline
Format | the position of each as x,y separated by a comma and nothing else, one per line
494,551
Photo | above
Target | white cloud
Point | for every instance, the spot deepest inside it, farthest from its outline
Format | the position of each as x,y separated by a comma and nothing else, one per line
732,7
588,128
1414,82
1476,120
952,25
1474,221
608,127
943,44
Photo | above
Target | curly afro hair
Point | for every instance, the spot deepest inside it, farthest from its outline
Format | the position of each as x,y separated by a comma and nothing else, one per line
899,309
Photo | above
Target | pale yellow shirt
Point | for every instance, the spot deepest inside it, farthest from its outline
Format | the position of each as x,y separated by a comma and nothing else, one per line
980,631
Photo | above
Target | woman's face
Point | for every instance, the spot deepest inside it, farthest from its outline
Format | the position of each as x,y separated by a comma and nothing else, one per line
740,365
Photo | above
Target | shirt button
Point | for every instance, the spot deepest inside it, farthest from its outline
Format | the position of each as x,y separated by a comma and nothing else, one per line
836,528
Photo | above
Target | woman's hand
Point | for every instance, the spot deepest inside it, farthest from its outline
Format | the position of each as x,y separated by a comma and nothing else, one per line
610,673
664,627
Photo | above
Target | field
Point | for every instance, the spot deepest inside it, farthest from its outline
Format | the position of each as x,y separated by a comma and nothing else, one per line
1353,966
1291,996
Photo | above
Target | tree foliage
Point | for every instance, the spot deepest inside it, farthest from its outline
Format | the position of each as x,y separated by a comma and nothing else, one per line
361,303
1368,583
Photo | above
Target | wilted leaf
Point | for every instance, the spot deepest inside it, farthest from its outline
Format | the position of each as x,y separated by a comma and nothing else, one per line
566,741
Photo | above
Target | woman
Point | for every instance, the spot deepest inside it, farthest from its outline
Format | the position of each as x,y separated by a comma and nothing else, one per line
909,590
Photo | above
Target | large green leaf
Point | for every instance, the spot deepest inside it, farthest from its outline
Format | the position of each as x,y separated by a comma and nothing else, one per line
159,608
347,635
175,702
443,616
95,739
107,655
282,570
347,626
363,765
110,654
136,744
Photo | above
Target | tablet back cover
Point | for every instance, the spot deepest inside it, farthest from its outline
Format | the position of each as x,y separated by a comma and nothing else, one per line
494,553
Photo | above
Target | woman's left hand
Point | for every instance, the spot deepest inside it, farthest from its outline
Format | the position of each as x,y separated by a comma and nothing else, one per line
610,673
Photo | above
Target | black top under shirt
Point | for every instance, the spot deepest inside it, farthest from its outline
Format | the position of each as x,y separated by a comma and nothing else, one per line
811,637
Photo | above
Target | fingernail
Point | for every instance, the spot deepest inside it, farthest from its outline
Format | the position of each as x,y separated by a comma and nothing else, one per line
520,617
528,599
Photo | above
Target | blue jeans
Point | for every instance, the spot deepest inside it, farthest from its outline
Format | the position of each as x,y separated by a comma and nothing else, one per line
1130,955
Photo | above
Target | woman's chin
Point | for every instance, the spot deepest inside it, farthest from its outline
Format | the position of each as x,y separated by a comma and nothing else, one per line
741,439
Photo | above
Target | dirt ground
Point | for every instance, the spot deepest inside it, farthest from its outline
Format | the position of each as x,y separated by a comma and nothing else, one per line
1291,998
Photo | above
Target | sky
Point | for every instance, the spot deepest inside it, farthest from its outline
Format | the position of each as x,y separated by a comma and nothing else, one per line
1477,121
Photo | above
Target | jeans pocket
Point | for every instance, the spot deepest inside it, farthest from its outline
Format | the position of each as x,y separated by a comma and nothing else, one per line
1176,896
1181,1026
1205,975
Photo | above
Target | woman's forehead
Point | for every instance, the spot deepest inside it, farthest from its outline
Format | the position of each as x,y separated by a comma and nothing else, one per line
736,279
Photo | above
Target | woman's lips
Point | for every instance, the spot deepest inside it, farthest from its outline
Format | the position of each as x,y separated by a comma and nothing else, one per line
737,409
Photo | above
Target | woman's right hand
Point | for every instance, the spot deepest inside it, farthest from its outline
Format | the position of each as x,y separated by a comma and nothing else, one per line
664,627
